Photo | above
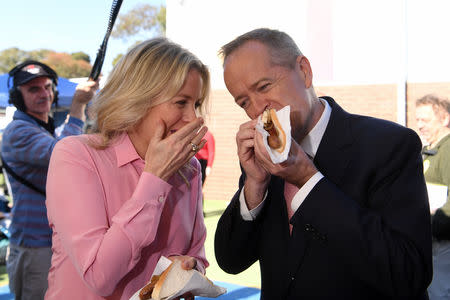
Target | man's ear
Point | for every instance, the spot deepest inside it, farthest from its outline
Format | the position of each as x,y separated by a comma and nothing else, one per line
305,69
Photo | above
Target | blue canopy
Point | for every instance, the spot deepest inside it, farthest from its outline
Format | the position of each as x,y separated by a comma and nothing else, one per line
4,95
66,89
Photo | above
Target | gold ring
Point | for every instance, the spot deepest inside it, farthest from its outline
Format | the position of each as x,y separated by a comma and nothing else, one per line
194,147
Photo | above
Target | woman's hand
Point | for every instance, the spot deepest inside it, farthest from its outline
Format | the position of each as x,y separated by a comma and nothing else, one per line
165,156
187,263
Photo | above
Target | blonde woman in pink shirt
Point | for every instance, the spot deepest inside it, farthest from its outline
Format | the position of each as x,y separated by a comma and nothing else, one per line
122,197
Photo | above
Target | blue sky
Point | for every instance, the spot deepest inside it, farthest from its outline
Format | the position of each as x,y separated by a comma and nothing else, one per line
63,26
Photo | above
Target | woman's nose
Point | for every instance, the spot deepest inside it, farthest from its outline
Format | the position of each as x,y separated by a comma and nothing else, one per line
190,114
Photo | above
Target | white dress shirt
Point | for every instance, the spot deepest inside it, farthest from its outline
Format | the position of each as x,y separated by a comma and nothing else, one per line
309,144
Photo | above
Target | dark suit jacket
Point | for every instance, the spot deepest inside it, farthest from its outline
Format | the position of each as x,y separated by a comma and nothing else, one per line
363,232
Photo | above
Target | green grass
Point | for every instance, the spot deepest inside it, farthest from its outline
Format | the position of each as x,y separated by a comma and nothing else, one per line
250,277
3,276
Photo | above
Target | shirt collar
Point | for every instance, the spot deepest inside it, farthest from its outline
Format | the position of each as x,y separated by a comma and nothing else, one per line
125,151
50,126
311,142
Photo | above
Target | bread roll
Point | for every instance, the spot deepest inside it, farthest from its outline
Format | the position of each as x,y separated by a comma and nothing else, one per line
171,280
277,136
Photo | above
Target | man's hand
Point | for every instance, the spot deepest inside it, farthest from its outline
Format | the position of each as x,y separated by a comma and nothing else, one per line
257,178
84,92
297,169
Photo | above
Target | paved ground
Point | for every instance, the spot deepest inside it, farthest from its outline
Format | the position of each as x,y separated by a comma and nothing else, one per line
4,293
235,292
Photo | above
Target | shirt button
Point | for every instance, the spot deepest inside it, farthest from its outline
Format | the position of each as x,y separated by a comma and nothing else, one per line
161,199
307,227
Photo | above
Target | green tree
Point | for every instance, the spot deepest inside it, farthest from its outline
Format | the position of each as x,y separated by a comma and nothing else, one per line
142,18
9,58
40,54
81,56
161,18
65,64
119,56
116,59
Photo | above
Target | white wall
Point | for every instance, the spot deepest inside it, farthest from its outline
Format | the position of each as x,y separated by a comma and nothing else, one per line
428,40
347,41
203,26
368,39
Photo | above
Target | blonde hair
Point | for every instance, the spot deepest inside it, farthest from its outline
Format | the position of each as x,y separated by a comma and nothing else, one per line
149,74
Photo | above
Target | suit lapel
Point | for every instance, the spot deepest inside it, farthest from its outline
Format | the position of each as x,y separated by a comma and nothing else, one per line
331,160
333,155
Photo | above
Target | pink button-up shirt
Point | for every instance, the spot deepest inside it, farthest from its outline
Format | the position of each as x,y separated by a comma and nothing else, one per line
111,221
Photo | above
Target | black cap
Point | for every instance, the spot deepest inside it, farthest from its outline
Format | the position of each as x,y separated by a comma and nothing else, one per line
29,72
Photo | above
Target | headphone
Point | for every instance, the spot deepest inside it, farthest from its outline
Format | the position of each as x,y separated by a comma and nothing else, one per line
15,96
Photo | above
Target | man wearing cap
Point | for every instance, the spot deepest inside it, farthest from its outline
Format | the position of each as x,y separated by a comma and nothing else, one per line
27,144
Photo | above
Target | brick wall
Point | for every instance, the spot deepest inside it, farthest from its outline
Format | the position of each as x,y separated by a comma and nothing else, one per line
374,100
418,90
224,122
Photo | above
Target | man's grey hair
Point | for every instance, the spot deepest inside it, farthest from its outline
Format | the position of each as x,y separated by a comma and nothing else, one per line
283,50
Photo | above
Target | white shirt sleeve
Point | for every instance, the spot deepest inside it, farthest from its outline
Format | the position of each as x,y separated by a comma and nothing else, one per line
304,191
246,214
250,215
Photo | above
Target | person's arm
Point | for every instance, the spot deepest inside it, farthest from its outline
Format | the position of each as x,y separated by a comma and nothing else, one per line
83,94
102,252
197,248
236,239
28,143
33,145
77,115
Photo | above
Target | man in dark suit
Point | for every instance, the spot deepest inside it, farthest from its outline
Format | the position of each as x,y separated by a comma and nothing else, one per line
346,215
